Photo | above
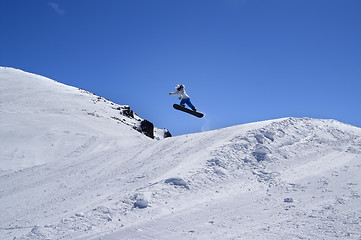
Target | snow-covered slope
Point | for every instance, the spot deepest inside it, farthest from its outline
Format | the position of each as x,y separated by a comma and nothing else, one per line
50,121
280,179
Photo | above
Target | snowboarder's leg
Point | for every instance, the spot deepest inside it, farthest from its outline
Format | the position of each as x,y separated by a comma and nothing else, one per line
182,102
188,101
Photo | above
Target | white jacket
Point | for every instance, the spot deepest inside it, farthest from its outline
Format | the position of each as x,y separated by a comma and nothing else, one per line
182,93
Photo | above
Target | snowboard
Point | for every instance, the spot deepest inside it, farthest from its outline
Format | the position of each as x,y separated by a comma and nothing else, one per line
187,110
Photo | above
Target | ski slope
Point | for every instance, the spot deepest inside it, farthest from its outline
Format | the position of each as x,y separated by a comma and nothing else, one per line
71,168
52,121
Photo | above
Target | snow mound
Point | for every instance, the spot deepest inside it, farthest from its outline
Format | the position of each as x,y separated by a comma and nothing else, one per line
140,201
177,181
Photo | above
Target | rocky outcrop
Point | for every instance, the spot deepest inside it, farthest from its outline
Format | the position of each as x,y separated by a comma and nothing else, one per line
167,133
147,128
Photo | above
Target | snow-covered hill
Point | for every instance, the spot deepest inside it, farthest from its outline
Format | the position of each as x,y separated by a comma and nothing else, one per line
287,178
50,121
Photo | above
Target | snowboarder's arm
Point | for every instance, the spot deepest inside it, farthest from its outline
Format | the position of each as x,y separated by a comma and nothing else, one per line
173,93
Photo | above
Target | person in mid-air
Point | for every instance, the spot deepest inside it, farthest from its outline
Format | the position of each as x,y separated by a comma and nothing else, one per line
183,96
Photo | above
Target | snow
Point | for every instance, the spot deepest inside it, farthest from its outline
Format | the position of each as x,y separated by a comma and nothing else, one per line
70,170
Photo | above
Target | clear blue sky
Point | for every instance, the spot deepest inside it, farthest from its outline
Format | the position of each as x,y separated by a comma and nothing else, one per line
241,60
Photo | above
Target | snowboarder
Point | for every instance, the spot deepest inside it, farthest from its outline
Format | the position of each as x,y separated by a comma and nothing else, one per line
183,96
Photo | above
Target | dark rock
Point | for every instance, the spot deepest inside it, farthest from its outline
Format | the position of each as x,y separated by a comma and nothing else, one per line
147,128
167,134
127,112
